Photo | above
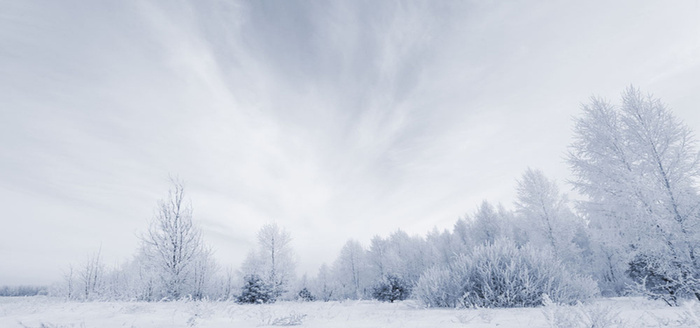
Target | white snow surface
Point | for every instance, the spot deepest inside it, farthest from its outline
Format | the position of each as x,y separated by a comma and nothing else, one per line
606,312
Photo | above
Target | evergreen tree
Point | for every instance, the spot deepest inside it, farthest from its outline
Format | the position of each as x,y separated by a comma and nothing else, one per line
391,289
305,295
256,291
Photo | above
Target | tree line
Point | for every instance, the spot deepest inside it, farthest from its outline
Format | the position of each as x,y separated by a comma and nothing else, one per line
634,231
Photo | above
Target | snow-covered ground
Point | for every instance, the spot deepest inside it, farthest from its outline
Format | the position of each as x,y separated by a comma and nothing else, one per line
617,312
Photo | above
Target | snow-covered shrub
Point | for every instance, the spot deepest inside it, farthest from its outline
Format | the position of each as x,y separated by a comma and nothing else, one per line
391,288
503,275
292,319
197,310
437,288
255,290
305,295
662,279
580,315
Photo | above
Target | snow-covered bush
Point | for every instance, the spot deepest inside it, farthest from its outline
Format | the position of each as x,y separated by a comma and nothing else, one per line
437,288
305,295
292,319
391,288
503,275
255,291
581,315
662,279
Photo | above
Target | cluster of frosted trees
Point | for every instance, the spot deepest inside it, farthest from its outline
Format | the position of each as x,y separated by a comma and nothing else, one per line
173,262
637,165
635,230
542,243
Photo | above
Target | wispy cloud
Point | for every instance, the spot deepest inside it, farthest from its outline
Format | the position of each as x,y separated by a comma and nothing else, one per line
336,120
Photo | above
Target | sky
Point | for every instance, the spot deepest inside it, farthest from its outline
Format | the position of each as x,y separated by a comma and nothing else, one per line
336,120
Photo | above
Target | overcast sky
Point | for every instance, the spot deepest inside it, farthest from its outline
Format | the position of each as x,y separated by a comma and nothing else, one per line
337,120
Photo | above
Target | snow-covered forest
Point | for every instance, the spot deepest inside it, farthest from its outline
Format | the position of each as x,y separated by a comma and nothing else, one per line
633,229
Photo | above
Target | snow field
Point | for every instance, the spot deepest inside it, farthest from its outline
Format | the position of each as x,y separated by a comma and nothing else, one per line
43,312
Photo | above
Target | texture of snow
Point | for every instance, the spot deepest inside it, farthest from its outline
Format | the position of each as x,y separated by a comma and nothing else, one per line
615,312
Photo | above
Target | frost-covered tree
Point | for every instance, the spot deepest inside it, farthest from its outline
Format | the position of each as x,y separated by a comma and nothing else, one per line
350,270
256,291
400,255
203,270
378,256
145,276
226,284
323,285
118,283
441,246
486,225
409,256
68,290
22,290
546,217
638,166
273,261
173,242
391,288
305,295
92,276
462,239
